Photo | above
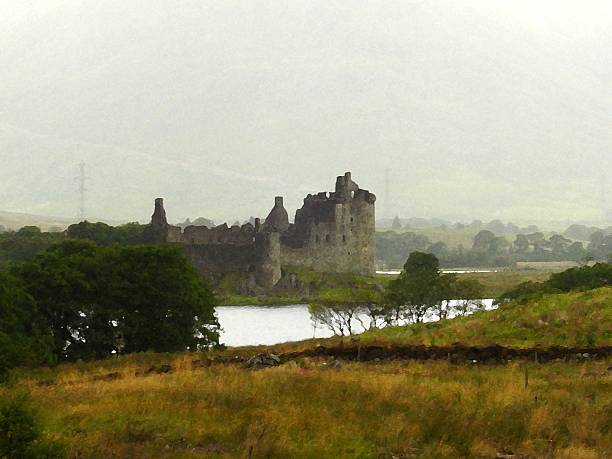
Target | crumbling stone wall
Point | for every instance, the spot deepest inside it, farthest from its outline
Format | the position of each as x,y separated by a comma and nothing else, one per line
332,232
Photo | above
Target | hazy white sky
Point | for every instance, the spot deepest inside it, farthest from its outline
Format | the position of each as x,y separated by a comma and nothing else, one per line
478,109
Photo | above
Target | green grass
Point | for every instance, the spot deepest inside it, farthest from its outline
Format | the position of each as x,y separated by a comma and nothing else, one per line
338,285
570,319
494,284
497,283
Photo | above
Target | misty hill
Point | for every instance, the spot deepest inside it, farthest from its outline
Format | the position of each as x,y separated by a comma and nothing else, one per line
15,220
476,109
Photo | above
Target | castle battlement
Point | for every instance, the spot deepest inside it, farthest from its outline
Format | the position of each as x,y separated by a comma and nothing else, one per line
332,232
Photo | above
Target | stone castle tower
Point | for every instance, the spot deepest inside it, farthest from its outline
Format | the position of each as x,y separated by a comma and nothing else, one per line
332,232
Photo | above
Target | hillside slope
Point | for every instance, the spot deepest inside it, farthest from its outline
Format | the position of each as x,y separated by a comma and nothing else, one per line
570,319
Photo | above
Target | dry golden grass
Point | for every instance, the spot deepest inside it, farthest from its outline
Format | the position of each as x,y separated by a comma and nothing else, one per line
305,409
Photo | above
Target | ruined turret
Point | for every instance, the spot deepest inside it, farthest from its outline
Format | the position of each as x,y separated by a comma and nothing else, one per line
159,231
159,213
345,187
278,218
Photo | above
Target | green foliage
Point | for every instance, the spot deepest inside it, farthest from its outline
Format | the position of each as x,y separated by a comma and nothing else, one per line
419,262
99,300
488,247
21,436
22,245
421,288
104,235
580,278
25,339
584,278
560,319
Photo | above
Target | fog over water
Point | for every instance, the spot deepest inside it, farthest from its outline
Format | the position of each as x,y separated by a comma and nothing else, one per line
478,108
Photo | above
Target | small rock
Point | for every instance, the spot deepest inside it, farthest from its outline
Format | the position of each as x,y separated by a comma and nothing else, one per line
263,360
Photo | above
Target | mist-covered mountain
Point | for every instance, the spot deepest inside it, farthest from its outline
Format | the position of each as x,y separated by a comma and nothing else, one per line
477,109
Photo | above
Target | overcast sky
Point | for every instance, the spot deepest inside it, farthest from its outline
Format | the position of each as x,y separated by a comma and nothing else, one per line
477,109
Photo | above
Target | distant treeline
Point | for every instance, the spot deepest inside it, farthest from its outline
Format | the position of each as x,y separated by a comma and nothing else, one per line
21,245
489,249
415,223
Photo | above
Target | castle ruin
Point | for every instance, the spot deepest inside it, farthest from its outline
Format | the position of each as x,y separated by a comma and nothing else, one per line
332,232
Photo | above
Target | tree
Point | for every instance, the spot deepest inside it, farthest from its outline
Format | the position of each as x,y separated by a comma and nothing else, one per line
25,243
339,308
416,290
580,278
101,300
397,224
104,235
25,339
521,244
422,288
164,305
467,294
483,241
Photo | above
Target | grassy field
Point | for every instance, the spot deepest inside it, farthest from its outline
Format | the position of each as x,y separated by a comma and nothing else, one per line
309,410
321,408
572,319
496,283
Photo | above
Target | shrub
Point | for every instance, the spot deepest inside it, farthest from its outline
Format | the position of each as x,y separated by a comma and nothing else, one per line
21,435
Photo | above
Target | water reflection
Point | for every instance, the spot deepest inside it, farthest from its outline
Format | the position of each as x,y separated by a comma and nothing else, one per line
254,325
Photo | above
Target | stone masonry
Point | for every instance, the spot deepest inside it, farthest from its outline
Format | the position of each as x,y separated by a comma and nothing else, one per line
332,232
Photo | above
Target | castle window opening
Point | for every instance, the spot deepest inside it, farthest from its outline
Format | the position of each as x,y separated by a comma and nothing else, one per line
327,238
344,238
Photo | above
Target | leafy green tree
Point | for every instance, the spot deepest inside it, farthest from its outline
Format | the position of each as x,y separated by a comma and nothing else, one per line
104,235
417,289
163,303
583,278
16,246
25,339
63,280
422,288
580,278
119,299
